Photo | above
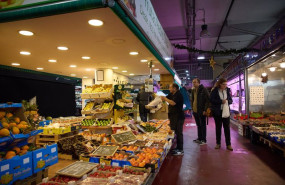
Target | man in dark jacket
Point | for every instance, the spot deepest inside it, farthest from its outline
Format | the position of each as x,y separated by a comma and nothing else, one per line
143,98
176,115
200,103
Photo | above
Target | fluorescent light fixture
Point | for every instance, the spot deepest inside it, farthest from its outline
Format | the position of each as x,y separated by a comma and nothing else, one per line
15,64
85,57
40,68
134,53
25,53
95,22
143,60
201,57
167,58
85,77
72,74
264,74
26,33
115,68
62,48
272,69
73,66
124,71
274,55
52,60
282,65
156,69
132,74
186,71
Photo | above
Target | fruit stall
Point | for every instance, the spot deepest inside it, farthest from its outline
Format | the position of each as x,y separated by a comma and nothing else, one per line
20,158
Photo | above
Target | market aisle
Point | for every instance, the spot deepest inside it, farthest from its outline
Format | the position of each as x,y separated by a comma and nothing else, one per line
203,165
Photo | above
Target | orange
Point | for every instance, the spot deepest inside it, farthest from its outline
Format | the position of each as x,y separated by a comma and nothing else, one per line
5,125
4,132
135,163
23,152
26,147
15,130
10,154
9,115
22,126
4,120
142,164
13,124
23,122
17,119
17,149
2,114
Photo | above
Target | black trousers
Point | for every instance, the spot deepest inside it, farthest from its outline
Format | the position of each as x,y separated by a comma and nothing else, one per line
176,124
143,112
201,126
225,122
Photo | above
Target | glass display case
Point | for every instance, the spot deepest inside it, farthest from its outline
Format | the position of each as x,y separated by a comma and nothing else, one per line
236,85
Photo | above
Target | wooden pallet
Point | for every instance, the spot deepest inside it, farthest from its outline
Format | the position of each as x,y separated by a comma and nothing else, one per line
272,145
34,179
43,139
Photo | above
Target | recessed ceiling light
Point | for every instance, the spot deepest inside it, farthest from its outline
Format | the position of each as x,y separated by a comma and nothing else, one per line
156,69
95,22
282,65
26,33
40,68
272,69
143,60
132,74
85,57
15,64
25,53
134,53
274,55
124,71
63,48
201,57
88,69
52,60
264,74
85,77
115,68
73,66
73,74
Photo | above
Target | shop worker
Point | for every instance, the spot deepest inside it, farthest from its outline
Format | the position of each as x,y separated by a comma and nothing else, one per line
221,99
176,115
200,102
143,98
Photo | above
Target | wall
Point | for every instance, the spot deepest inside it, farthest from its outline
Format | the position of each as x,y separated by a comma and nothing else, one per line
120,79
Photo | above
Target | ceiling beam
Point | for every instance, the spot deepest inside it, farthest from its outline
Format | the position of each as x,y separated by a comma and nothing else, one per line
224,23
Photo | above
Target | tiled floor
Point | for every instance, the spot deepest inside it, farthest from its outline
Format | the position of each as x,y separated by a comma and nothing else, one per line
248,164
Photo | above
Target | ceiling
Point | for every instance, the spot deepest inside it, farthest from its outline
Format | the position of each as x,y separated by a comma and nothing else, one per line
246,22
108,46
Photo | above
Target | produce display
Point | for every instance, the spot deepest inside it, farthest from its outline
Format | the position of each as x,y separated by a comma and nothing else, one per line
98,122
96,89
10,123
89,106
63,179
12,152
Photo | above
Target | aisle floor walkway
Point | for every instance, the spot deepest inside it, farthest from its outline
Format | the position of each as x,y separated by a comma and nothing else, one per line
248,164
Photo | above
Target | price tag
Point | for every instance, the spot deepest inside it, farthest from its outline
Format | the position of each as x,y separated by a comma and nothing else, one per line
39,155
5,167
53,150
115,164
27,160
149,144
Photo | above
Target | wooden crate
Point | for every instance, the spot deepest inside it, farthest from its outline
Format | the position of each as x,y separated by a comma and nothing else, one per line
65,156
34,179
43,139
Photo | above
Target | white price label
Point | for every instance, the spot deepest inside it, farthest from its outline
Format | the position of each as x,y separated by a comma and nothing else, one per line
39,155
53,150
5,167
115,164
26,160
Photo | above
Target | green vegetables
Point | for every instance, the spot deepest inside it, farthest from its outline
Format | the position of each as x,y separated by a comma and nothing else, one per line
256,115
149,128
92,122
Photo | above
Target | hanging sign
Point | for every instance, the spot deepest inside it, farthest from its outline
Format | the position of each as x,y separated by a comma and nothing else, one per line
143,12
17,3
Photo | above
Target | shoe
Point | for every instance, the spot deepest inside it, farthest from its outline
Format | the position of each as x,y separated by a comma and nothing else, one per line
229,147
218,146
174,150
178,152
196,141
202,143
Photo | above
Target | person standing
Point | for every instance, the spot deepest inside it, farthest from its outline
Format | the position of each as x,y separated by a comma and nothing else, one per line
176,115
200,103
220,99
143,98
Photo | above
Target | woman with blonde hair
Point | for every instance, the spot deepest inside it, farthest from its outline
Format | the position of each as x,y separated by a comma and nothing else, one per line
220,99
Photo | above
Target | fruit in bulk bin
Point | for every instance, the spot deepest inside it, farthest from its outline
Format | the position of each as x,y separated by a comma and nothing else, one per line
64,179
16,151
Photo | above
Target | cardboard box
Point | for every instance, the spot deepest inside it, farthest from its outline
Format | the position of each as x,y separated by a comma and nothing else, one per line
23,167
39,160
51,156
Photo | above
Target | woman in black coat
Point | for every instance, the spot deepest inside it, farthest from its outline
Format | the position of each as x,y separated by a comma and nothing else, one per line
220,99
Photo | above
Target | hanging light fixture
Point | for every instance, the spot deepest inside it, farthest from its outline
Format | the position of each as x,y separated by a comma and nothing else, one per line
272,69
264,74
204,27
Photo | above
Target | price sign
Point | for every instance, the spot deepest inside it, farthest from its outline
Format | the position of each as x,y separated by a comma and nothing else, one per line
124,137
77,169
105,150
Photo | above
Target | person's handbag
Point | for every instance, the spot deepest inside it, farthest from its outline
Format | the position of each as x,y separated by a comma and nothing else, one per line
209,112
